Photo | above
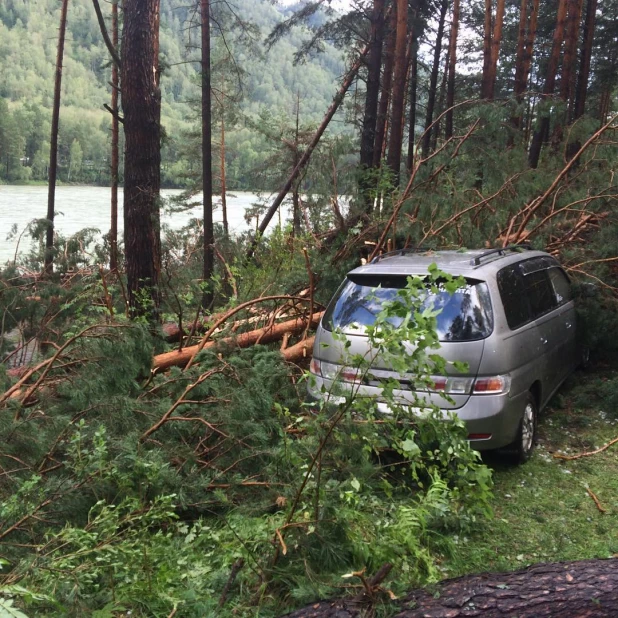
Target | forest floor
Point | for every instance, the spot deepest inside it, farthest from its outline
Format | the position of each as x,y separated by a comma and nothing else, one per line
542,510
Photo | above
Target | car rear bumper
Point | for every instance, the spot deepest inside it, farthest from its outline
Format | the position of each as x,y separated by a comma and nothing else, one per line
497,416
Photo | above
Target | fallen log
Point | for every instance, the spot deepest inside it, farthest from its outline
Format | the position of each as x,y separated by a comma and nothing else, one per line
299,351
268,334
582,589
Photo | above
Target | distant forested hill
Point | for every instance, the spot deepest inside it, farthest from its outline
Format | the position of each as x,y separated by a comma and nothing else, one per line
269,84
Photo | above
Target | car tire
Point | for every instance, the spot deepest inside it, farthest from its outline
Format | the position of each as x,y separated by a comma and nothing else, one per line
520,450
584,358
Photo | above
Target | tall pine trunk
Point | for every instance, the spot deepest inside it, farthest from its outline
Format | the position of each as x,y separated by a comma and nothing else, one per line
141,103
450,90
53,149
226,228
209,240
113,232
550,80
398,95
433,80
574,10
368,134
387,79
496,41
585,57
487,28
413,97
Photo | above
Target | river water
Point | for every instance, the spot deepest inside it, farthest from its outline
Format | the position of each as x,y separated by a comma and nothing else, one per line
89,207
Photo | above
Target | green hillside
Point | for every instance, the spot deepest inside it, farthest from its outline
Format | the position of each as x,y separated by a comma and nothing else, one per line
259,82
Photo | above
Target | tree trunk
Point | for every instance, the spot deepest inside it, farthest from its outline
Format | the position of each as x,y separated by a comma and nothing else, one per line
570,50
450,91
304,159
209,239
519,86
585,57
141,103
495,49
226,229
268,334
413,97
113,232
487,28
548,89
433,81
53,149
435,132
368,134
296,220
398,95
387,78
588,588
530,38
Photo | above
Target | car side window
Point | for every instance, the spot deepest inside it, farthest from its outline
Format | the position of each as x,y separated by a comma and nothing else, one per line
514,298
562,286
540,292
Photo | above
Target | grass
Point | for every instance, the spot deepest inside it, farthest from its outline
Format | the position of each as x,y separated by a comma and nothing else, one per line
543,512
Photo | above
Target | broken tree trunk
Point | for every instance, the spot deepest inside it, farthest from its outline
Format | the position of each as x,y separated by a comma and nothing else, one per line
268,334
587,588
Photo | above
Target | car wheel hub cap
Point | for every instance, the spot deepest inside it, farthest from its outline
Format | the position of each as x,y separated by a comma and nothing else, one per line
527,433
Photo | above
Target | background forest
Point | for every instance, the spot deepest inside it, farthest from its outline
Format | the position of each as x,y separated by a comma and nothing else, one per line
157,453
263,88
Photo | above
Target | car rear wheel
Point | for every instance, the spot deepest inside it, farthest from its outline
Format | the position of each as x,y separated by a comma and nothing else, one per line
523,445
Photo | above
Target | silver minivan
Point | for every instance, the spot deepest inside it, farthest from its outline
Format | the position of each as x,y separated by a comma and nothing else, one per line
512,324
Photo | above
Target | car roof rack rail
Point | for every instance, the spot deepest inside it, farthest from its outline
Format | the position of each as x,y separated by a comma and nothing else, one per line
399,252
501,251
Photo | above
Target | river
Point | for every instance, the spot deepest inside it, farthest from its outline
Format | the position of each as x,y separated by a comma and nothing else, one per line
81,207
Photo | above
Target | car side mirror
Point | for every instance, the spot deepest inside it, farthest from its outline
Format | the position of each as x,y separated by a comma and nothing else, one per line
586,290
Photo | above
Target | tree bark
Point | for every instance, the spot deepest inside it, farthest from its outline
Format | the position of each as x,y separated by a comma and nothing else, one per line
53,149
368,133
113,232
487,28
584,589
141,103
226,229
433,81
495,49
387,78
398,95
304,159
450,90
585,57
209,239
548,89
570,50
530,39
413,98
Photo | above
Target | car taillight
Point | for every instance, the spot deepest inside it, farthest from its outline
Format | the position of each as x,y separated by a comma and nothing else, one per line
492,385
452,385
314,367
331,371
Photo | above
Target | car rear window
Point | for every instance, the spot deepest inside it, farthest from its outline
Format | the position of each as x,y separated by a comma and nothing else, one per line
464,316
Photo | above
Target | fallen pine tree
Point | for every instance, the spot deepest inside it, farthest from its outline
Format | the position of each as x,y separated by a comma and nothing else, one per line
582,589
267,334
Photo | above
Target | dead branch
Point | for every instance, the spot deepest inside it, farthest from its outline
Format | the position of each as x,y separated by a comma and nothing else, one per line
586,453
596,500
